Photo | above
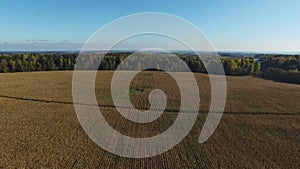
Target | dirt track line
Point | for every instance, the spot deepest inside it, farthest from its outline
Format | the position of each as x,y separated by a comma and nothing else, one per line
140,108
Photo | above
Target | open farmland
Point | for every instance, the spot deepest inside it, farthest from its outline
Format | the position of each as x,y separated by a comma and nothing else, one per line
39,128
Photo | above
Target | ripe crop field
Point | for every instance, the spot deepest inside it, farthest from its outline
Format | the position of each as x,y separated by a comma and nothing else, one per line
260,127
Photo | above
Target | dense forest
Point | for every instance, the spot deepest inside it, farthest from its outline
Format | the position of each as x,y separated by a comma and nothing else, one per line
283,68
66,61
37,62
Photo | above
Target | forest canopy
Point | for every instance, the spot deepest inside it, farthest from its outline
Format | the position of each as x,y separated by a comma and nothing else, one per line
283,68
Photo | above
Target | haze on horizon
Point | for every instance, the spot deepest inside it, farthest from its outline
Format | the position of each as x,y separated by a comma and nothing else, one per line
234,25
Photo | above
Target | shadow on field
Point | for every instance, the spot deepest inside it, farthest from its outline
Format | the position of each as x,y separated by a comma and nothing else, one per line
141,108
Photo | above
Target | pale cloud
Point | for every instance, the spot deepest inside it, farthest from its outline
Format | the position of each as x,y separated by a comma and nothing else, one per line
38,45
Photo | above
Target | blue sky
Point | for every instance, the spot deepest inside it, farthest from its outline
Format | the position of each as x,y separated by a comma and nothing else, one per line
232,25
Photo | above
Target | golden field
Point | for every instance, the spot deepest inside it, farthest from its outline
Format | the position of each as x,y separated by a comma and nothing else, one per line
260,127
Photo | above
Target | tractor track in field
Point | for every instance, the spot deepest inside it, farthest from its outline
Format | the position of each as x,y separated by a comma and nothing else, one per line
141,108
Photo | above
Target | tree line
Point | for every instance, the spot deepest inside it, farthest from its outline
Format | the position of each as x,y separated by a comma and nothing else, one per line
282,68
26,62
36,62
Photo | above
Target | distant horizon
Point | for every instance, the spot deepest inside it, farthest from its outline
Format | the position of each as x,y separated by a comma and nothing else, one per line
132,50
